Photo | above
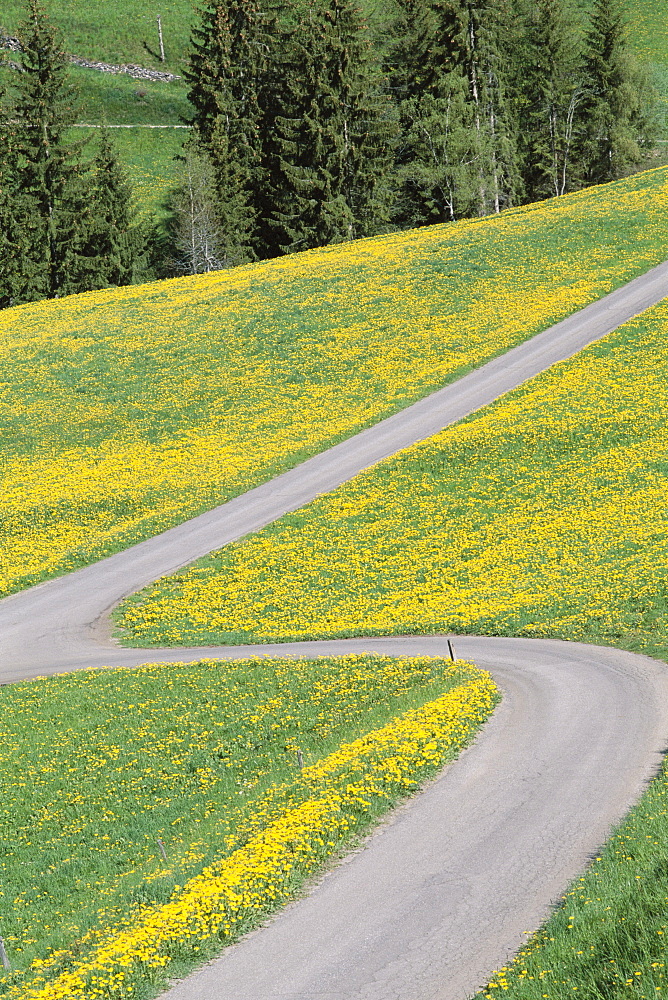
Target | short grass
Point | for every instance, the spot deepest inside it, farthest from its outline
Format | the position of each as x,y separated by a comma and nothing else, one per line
123,31
149,156
148,153
648,32
96,766
106,99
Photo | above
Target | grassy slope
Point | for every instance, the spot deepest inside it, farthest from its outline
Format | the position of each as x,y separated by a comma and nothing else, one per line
119,32
128,410
648,30
544,514
96,765
147,153
123,32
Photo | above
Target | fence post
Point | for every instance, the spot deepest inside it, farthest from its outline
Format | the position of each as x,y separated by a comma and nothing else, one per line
162,47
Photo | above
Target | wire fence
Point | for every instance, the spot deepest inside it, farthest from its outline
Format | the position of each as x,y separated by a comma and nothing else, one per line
86,125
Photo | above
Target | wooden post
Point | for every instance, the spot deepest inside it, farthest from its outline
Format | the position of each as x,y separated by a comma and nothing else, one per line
451,650
300,759
162,46
3,956
162,849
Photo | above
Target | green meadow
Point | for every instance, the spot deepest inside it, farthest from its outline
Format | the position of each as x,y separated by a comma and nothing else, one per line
102,771
149,404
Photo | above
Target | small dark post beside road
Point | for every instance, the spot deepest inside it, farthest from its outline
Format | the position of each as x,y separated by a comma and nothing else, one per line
451,650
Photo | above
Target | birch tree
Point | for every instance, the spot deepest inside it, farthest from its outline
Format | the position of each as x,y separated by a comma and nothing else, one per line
197,234
492,30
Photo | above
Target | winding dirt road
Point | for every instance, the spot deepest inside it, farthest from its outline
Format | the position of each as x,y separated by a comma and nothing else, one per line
444,892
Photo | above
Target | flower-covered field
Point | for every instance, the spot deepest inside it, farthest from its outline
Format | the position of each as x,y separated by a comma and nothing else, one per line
100,768
126,411
545,513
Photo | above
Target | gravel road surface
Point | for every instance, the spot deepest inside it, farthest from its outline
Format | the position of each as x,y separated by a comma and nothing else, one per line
443,893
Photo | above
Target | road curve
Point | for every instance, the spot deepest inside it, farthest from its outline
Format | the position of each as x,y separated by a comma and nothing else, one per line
59,625
443,893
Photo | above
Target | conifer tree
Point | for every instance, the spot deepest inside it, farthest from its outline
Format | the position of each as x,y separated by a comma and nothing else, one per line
46,172
450,69
330,142
492,31
14,209
553,114
226,76
617,99
56,226
429,41
439,174
437,155
111,248
112,195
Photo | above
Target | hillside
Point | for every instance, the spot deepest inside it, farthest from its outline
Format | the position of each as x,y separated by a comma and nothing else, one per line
129,410
547,508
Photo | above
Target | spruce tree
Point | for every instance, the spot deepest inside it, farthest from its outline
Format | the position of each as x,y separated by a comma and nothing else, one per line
553,115
15,207
449,68
330,140
109,248
617,100
65,225
48,171
429,41
119,241
226,75
437,155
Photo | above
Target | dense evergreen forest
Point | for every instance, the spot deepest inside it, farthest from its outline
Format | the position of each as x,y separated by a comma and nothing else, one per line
313,125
